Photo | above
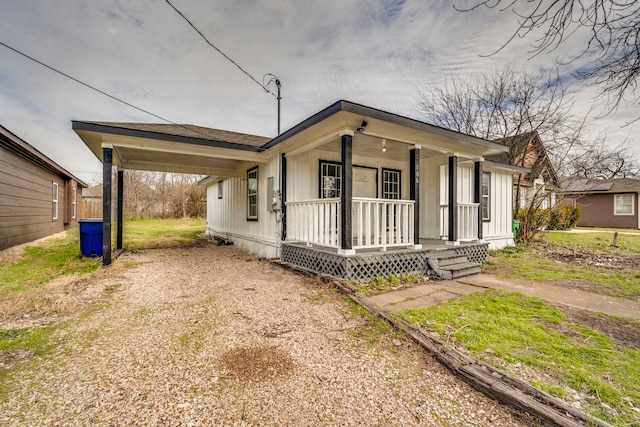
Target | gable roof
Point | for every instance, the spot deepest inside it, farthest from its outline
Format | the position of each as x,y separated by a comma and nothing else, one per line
536,159
586,185
21,148
196,149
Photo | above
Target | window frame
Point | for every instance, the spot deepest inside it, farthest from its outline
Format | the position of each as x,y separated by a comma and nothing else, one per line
55,197
615,204
74,207
321,176
250,172
385,193
220,189
485,198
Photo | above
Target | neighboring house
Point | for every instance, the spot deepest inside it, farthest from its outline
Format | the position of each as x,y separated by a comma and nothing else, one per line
538,187
605,202
37,196
352,191
91,206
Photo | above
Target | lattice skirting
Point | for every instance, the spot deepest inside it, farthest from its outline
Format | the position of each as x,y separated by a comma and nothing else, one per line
364,267
359,267
475,253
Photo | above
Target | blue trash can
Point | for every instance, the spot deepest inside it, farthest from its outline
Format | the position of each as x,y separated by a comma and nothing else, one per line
91,237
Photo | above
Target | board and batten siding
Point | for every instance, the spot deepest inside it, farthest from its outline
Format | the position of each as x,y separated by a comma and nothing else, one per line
26,201
499,231
227,215
434,192
304,173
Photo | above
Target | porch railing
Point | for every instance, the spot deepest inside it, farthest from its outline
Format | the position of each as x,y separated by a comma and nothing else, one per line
376,223
382,223
314,222
467,221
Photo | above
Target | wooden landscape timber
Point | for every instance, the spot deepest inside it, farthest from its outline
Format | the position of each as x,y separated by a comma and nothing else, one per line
499,385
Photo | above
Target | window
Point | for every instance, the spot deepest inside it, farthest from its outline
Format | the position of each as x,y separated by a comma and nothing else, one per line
485,196
73,202
219,189
623,204
390,184
252,194
330,180
55,201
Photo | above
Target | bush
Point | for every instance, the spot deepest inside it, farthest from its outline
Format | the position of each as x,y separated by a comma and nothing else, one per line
563,218
534,220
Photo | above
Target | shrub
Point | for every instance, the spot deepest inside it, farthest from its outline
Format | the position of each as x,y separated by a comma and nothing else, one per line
563,218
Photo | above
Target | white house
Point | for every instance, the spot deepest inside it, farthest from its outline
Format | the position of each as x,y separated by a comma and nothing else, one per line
351,191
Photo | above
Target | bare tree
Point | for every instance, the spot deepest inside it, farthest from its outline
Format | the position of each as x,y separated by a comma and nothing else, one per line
599,161
613,48
519,110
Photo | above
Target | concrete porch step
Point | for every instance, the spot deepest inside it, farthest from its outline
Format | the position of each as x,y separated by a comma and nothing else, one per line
460,270
450,265
450,259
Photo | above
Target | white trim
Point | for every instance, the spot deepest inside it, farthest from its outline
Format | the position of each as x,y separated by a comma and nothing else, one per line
615,204
74,204
55,200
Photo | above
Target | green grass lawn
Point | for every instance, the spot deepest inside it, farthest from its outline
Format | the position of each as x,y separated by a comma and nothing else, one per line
584,261
26,286
510,331
161,233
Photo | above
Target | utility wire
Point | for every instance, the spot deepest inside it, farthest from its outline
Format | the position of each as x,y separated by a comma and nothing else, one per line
218,50
86,84
190,129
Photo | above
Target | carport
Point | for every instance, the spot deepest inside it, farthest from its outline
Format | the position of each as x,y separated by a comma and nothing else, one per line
162,148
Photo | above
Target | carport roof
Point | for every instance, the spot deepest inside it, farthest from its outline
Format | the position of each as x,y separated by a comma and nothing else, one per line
171,147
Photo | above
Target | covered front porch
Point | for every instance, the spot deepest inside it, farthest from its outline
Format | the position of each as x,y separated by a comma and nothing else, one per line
371,194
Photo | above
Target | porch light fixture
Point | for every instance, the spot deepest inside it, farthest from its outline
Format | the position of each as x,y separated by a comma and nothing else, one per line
384,145
362,127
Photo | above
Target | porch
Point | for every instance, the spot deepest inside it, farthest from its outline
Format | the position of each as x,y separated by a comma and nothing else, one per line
376,224
446,260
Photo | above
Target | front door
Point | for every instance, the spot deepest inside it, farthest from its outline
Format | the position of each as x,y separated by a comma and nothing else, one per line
365,182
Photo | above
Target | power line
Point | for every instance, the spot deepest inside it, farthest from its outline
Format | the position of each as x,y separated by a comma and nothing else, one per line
218,50
86,84
128,104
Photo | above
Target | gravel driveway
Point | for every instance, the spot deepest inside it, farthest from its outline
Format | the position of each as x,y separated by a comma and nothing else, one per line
211,335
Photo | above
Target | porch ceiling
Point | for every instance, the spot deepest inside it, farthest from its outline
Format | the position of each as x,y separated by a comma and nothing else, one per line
173,148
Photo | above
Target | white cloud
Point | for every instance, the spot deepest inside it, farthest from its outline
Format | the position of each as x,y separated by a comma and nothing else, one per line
372,52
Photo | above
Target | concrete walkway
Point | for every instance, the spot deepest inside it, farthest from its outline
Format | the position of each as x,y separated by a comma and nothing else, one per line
440,291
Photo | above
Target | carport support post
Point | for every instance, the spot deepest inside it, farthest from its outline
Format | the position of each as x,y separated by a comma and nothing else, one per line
453,201
120,202
107,164
414,193
346,193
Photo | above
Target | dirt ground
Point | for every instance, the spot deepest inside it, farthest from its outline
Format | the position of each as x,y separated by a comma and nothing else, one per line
210,335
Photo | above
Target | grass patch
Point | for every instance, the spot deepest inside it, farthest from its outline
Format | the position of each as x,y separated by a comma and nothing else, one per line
381,285
161,233
584,261
511,330
597,242
43,262
19,345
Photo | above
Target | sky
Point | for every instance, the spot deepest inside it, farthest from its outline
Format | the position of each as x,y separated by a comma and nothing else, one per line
379,53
